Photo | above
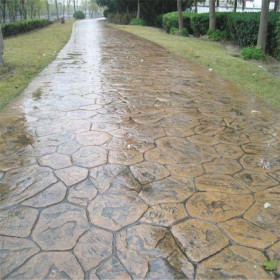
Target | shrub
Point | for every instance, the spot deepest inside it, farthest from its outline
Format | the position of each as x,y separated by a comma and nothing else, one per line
170,20
244,27
159,20
138,21
79,15
174,30
252,53
216,35
185,32
273,46
18,27
200,24
120,18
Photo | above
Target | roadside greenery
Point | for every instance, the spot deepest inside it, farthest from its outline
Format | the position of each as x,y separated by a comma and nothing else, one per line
79,15
23,62
241,28
246,74
252,53
18,27
138,21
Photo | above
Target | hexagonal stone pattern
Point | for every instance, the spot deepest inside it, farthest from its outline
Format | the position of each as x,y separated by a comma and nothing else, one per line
256,181
50,265
229,151
69,148
169,190
164,214
220,183
183,151
72,175
55,161
125,157
93,138
218,207
245,233
199,239
234,262
23,183
115,211
151,252
17,221
60,226
223,166
157,156
119,172
111,270
14,252
113,178
47,197
82,193
93,247
90,157
147,172
265,211
232,136
186,170
261,163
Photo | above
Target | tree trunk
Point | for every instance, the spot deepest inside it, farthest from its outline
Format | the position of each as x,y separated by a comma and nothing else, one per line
218,3
195,6
212,16
74,1
56,7
263,25
4,10
138,9
48,8
276,5
243,5
1,47
180,15
235,6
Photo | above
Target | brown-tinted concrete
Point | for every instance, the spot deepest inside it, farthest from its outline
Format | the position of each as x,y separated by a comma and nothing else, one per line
136,164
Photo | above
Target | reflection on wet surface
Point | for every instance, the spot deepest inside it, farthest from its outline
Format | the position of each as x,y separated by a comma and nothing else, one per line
123,161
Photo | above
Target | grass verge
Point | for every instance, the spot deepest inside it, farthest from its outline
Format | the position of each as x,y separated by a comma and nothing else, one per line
246,74
26,55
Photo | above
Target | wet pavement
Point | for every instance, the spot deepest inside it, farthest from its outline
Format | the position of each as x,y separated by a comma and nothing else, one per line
123,161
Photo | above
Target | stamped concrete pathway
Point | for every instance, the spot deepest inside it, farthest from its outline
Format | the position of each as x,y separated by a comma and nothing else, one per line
123,161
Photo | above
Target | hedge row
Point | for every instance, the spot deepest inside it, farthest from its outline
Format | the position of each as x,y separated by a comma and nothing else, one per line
120,18
18,27
242,28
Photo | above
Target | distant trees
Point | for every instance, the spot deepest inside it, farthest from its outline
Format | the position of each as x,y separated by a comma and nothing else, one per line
11,10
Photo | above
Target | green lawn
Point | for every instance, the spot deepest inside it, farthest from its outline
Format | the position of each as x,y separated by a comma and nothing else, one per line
26,55
246,74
